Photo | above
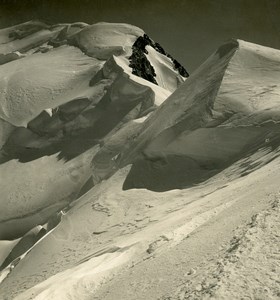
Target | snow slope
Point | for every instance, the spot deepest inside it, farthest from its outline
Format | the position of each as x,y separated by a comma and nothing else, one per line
113,241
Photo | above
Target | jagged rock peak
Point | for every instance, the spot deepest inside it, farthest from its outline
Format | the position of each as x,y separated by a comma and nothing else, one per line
145,40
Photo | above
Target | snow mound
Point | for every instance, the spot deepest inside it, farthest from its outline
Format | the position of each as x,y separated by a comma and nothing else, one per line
102,40
40,81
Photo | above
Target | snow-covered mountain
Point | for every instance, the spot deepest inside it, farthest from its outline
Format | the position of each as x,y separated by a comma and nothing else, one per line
69,88
120,179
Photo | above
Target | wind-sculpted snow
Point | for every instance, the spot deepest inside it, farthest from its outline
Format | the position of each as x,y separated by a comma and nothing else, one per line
64,89
227,110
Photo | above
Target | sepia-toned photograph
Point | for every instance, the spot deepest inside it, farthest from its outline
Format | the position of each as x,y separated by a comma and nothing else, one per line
140,149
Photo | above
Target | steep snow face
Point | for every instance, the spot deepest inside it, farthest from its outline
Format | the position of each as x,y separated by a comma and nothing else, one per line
231,100
163,65
190,103
254,72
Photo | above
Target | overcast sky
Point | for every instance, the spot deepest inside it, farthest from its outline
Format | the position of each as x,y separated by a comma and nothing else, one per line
190,30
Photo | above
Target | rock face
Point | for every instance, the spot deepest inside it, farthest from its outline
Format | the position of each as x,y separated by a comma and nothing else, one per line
95,121
140,64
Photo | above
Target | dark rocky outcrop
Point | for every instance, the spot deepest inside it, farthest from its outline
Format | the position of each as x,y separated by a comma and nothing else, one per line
138,61
140,64
177,66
